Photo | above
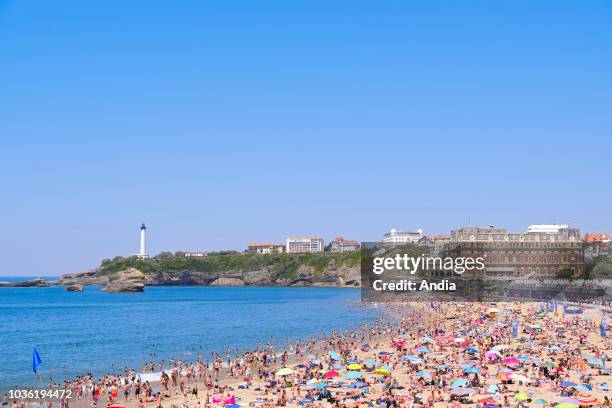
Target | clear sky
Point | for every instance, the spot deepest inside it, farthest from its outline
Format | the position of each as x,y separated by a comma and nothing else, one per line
223,122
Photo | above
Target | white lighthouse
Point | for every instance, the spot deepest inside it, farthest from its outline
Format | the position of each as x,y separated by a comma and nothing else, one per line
143,243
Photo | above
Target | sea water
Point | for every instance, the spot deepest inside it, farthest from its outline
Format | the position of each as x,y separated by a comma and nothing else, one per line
97,332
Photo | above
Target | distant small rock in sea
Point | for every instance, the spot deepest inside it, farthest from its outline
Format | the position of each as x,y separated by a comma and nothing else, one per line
74,288
25,284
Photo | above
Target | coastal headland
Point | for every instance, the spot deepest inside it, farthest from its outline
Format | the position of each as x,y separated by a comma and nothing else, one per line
231,269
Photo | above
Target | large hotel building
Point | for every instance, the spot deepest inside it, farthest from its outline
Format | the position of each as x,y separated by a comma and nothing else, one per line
304,244
542,250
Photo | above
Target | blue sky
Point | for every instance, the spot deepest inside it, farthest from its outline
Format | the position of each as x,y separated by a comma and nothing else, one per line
223,122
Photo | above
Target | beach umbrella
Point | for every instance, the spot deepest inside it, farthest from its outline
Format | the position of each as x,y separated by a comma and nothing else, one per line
521,396
335,356
423,349
382,371
518,377
595,361
353,375
331,374
487,400
568,384
510,360
459,340
583,388
413,359
570,401
371,363
423,374
504,376
492,389
586,399
522,358
321,385
566,405
354,366
501,347
441,366
472,370
283,372
232,406
427,339
462,391
358,384
459,382
492,354
115,406
383,353
471,350
541,401
465,365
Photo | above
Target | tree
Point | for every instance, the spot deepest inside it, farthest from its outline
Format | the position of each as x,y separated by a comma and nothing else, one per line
565,273
603,269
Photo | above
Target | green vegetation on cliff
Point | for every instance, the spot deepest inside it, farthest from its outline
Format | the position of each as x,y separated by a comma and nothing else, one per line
284,265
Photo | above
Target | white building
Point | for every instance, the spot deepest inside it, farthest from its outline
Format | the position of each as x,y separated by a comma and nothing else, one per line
546,228
395,237
304,244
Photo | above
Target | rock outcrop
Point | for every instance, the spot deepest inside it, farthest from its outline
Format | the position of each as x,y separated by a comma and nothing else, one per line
76,287
91,277
227,282
128,280
41,283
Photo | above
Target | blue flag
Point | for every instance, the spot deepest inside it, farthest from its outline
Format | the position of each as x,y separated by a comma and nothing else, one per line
604,326
36,361
515,328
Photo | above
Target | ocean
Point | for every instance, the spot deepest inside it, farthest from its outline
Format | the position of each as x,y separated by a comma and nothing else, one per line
97,332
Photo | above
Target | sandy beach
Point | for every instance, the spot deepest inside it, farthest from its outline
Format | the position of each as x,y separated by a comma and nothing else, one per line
445,354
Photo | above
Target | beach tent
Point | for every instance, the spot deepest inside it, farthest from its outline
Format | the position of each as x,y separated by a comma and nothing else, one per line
354,366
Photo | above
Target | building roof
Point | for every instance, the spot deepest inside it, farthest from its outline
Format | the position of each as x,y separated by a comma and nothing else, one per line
346,241
591,237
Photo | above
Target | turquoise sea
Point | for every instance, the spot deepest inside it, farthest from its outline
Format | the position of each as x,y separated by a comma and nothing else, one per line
98,332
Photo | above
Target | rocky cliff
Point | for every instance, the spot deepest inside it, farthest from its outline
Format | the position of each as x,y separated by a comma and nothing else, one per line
321,269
